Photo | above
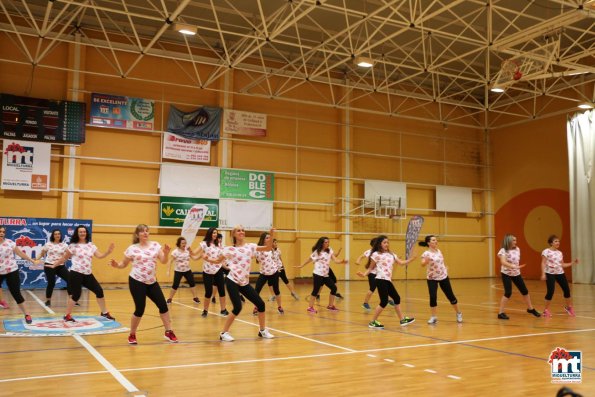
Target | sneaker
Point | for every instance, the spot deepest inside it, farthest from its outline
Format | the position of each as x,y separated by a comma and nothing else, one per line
196,300
28,319
547,313
225,337
406,321
48,303
272,298
255,312
434,319
264,333
77,304
224,312
366,306
332,308
459,317
108,316
391,302
213,300
339,296
295,296
132,339
69,318
170,336
570,311
3,304
534,312
311,310
280,310
168,301
375,324
503,316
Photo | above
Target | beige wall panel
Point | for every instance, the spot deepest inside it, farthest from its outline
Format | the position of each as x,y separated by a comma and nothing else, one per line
423,172
463,176
376,141
319,163
264,158
386,169
420,147
319,134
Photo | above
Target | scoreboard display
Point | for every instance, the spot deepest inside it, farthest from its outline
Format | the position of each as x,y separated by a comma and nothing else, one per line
41,120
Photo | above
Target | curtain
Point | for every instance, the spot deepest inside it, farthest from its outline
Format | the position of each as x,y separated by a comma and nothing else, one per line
581,154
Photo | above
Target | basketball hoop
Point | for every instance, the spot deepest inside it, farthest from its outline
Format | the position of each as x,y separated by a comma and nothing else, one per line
510,70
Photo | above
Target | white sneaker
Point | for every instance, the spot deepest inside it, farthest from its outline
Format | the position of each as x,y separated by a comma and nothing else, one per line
433,320
226,337
459,317
265,334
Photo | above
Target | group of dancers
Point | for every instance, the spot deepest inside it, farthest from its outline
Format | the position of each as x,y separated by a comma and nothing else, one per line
228,268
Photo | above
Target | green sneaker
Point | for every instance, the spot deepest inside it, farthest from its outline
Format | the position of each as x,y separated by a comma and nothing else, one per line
406,321
375,324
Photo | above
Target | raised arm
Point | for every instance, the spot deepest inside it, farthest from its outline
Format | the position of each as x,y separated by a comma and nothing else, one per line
22,255
164,253
406,261
574,262
305,263
120,265
269,245
100,255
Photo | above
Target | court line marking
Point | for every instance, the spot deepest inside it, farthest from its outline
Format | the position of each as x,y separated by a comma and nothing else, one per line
430,371
130,388
453,377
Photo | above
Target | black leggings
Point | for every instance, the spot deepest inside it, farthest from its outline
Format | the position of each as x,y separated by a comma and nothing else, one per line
271,280
218,279
550,282
518,282
178,277
50,275
445,287
283,276
140,292
234,291
386,289
331,274
13,281
319,281
372,282
76,282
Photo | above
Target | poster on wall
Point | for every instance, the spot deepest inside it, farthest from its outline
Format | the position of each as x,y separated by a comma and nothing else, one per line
173,211
41,120
26,165
116,111
201,123
244,123
247,185
179,148
30,235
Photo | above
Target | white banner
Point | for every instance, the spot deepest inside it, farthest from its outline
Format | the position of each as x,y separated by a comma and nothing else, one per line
26,165
178,148
244,123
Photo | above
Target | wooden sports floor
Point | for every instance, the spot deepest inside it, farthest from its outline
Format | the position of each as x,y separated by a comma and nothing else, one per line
328,354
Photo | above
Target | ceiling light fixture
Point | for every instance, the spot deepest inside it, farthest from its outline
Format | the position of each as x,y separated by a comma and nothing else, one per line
586,105
186,29
364,62
498,89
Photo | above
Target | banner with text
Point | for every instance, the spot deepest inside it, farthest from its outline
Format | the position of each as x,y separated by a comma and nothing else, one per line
247,185
30,235
202,123
122,112
173,211
41,120
244,123
26,165
179,148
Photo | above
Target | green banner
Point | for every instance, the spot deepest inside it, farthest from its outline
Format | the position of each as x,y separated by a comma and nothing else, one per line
173,210
247,185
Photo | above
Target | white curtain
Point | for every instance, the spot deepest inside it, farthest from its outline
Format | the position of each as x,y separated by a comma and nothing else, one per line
581,154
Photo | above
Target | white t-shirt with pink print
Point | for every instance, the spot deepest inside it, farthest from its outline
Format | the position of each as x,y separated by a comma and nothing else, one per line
8,264
553,261
385,262
435,267
81,257
144,262
54,251
512,256
366,254
277,259
238,260
181,260
267,263
322,262
212,252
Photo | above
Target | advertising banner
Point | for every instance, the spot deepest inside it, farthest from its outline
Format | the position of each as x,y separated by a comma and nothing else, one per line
26,165
41,120
247,185
179,148
122,112
244,123
202,123
173,211
30,235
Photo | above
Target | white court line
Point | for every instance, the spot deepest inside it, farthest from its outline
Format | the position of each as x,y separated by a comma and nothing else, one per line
102,360
371,355
430,371
454,377
409,365
389,360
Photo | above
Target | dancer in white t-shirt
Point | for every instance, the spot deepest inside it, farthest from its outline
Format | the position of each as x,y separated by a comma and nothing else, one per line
181,258
552,271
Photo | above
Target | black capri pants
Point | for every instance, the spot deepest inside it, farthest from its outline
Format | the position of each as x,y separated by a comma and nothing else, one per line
235,290
319,281
372,282
271,280
218,279
445,287
386,289
178,277
50,275
518,282
550,283
13,281
140,292
283,276
77,281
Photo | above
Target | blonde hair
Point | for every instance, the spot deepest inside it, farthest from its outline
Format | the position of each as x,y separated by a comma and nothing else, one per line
233,232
